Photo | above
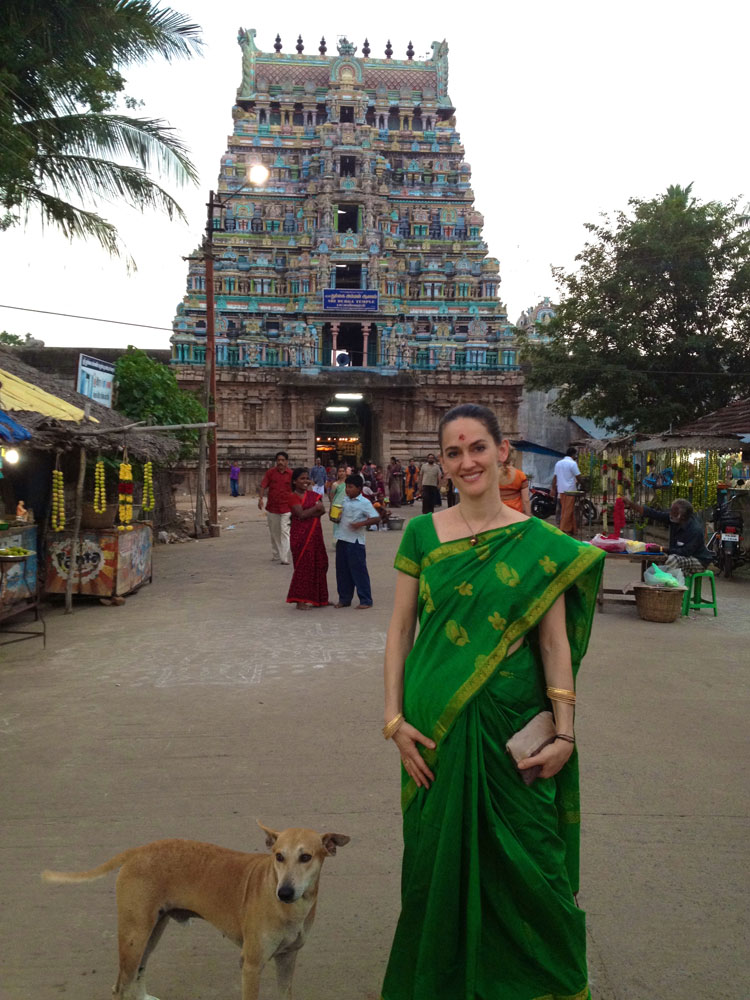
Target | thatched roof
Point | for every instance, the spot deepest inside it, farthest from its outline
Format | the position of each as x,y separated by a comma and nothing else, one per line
51,433
723,443
731,419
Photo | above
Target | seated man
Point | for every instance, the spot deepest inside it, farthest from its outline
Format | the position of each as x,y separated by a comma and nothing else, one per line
687,546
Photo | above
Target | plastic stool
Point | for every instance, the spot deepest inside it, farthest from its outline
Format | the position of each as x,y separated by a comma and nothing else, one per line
692,599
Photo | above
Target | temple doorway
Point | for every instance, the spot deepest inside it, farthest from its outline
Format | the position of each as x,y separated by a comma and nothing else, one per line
343,430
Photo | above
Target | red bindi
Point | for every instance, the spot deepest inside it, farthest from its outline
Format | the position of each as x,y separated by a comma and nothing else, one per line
461,437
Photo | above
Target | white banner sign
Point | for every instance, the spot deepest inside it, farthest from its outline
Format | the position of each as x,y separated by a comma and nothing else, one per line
95,379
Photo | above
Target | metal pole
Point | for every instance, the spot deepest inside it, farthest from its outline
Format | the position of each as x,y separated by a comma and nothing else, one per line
213,467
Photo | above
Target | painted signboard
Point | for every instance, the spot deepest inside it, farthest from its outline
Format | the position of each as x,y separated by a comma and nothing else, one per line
350,299
96,379
109,562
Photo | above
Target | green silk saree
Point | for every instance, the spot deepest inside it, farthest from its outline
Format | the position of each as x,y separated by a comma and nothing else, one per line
490,864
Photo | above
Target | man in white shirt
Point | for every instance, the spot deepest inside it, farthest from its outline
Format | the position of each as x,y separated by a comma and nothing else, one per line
565,480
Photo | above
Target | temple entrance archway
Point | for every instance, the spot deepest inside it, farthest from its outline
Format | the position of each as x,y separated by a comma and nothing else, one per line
343,430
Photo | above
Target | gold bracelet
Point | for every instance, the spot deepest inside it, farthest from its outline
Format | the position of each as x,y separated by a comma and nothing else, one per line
390,728
560,694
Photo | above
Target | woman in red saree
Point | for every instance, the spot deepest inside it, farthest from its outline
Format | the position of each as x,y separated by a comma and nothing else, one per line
309,586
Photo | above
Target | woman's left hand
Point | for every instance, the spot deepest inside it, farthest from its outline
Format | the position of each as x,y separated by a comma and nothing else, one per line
551,758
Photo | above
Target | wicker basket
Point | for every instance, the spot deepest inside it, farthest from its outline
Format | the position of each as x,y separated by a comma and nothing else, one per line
90,518
658,604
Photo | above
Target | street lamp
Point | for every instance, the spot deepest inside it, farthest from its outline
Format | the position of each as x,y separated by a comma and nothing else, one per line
257,175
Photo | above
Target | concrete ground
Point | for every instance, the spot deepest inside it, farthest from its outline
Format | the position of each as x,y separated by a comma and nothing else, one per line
206,702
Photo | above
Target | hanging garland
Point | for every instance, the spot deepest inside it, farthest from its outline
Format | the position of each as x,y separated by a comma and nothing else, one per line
57,518
149,500
125,494
100,490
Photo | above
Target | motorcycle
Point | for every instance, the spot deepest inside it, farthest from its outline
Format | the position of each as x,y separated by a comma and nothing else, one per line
727,540
543,504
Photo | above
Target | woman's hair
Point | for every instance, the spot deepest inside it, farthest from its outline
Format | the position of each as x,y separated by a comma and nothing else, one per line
472,411
296,473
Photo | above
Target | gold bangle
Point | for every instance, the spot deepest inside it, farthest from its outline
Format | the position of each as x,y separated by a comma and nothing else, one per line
560,694
390,728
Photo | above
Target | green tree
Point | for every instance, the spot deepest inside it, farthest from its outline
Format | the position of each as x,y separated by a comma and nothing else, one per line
63,142
10,339
653,328
148,390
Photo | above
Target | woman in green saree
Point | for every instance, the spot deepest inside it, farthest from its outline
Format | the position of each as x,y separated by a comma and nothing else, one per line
490,868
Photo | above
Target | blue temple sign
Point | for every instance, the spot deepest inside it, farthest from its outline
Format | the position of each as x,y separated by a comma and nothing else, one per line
350,299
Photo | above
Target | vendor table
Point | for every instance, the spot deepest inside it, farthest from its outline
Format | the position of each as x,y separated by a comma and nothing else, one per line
624,596
19,589
109,563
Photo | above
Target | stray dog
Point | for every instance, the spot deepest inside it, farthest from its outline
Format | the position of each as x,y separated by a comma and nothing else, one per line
265,903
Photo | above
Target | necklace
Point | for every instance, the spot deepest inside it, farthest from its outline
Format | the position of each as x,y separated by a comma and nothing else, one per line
473,534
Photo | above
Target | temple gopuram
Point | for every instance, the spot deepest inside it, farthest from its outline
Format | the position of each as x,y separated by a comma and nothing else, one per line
358,269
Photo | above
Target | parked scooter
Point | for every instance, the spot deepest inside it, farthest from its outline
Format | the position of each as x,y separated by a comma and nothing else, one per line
727,540
543,504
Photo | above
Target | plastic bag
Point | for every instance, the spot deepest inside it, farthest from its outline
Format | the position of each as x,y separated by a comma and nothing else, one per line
656,577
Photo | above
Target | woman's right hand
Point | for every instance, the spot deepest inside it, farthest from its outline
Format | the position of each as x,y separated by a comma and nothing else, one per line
406,738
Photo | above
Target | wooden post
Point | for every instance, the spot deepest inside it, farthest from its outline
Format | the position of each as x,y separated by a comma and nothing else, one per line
73,568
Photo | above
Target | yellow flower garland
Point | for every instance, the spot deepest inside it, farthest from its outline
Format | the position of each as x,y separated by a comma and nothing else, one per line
58,501
100,490
125,496
149,500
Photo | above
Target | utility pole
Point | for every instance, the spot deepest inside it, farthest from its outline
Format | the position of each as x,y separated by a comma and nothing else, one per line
210,374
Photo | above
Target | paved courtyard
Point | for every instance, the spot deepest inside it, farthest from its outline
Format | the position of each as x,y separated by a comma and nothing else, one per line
205,703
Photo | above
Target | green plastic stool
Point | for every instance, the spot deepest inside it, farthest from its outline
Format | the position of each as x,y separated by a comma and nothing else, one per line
692,599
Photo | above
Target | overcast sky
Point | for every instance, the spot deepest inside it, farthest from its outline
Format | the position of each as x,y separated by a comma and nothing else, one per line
566,109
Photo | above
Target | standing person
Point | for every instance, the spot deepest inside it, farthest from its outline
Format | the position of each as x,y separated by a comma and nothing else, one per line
564,481
330,477
429,484
309,586
351,563
278,482
490,864
318,477
411,481
234,479
514,488
395,482
336,496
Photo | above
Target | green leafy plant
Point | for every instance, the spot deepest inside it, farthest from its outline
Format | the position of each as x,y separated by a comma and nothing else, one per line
148,390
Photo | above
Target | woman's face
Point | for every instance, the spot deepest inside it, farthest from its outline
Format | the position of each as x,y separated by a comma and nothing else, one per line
342,474
301,483
470,456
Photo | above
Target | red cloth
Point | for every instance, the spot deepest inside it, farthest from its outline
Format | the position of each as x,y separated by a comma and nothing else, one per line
618,516
309,582
279,485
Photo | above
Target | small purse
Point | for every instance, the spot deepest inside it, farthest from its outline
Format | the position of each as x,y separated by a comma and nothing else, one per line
527,742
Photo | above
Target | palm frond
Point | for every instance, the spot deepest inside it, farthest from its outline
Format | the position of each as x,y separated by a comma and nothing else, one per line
76,223
91,176
146,31
148,141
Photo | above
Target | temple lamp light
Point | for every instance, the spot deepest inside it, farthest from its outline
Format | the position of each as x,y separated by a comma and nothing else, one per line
256,175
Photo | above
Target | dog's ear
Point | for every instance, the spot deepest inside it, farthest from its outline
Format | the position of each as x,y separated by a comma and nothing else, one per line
333,840
271,835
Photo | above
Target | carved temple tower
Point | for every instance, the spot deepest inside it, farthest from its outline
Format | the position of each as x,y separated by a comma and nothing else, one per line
359,266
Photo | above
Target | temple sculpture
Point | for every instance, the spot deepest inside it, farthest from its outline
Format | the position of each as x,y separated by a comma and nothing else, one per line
360,262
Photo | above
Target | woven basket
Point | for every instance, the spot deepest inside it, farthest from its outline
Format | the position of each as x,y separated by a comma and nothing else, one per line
658,604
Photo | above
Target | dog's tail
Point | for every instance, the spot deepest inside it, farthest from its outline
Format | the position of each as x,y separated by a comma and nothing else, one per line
116,862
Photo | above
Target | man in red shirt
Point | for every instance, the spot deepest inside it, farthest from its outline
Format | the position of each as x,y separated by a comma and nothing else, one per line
278,482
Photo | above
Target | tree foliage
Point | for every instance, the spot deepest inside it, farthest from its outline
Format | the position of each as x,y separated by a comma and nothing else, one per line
653,329
148,390
63,142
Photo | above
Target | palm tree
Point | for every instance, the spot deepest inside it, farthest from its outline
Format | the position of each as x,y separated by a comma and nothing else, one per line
63,145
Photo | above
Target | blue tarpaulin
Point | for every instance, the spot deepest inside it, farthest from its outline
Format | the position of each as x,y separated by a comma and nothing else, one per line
10,431
537,449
